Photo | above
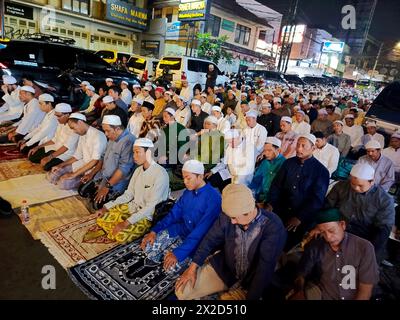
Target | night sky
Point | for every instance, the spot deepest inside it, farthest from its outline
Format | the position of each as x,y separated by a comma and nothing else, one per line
327,13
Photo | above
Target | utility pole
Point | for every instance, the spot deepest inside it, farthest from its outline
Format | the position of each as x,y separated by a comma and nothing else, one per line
377,59
2,12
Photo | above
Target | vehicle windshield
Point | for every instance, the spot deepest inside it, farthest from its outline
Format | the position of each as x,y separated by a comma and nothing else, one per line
137,63
105,54
171,63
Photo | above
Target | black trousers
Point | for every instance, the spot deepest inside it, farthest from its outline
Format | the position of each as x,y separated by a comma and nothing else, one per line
216,181
40,154
4,138
26,149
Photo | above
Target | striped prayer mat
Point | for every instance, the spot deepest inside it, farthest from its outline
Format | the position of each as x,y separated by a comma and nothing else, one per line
18,168
77,241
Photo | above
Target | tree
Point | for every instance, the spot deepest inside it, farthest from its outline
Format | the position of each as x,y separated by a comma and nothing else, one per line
211,48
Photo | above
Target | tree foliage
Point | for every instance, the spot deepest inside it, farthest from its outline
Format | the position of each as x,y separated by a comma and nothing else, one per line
211,48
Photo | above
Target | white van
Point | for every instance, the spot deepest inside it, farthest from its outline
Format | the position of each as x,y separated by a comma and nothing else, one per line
143,67
195,70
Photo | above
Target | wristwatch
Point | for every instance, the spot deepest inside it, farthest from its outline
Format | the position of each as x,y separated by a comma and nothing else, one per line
108,185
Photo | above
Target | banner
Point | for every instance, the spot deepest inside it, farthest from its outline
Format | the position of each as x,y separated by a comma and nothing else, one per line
126,14
18,10
193,10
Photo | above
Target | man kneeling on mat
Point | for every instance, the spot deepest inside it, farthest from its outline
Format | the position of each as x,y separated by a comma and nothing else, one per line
187,222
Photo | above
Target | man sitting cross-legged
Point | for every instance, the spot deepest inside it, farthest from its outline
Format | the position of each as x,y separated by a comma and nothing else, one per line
187,223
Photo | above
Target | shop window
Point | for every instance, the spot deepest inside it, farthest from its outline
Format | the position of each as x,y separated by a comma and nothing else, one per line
22,23
213,25
78,6
242,34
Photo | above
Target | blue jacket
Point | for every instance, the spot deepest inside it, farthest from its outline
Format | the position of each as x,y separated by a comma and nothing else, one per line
191,218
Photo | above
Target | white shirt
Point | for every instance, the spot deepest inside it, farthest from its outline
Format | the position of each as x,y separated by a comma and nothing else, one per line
135,124
377,137
223,125
33,115
64,137
148,99
239,161
46,130
146,189
126,96
355,132
206,107
12,102
182,116
393,155
257,137
231,118
187,93
91,146
328,156
301,128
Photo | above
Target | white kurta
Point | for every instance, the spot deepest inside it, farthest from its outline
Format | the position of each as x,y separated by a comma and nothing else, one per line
148,99
206,107
376,137
46,130
187,93
328,156
301,128
135,124
146,189
126,96
355,132
384,171
393,155
33,115
239,161
91,146
257,137
182,116
12,108
64,137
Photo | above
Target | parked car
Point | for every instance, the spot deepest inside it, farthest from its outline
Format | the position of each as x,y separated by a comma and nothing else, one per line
268,76
385,109
112,56
143,67
58,65
294,79
195,70
311,80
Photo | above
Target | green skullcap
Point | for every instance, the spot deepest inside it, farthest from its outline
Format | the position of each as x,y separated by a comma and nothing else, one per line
328,215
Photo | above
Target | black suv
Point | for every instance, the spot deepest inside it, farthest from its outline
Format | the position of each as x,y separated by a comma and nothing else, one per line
58,65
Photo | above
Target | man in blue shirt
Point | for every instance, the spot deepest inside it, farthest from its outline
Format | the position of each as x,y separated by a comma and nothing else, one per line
187,223
298,191
110,177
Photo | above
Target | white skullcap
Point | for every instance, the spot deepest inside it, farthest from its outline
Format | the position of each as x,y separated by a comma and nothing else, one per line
244,94
183,99
143,142
168,93
170,111
9,79
371,124
211,119
268,92
204,95
396,135
216,108
193,166
277,100
112,120
28,89
323,111
45,97
231,134
108,99
349,116
373,144
136,86
363,171
252,114
138,101
309,137
85,83
63,108
295,108
274,141
265,105
78,116
124,82
301,112
340,122
147,88
287,119
109,79
91,88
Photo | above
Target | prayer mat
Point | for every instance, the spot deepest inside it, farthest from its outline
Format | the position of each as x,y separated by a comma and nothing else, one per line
124,273
10,152
18,168
51,215
77,241
35,189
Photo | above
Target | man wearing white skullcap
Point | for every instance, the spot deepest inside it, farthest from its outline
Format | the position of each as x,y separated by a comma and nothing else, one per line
109,82
182,114
372,135
47,128
339,139
109,180
238,163
267,170
197,118
137,91
300,126
268,119
111,108
146,94
279,109
368,208
223,124
383,166
205,105
62,146
322,123
326,153
354,131
115,93
130,215
187,222
136,120
12,107
93,97
89,152
255,133
126,94
393,153
32,116
288,138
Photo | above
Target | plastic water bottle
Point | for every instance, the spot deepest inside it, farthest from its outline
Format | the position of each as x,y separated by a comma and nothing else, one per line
25,212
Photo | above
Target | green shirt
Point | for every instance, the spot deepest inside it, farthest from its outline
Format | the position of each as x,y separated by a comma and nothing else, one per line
211,147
